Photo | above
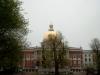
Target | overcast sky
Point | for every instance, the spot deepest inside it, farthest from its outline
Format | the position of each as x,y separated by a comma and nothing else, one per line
78,20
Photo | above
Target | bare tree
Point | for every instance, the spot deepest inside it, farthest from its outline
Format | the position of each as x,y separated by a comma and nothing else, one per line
95,45
55,46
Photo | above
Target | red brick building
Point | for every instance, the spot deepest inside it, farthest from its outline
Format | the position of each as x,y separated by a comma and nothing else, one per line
75,58
31,57
27,60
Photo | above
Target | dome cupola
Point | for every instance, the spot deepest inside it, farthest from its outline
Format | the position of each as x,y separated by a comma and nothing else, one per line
51,32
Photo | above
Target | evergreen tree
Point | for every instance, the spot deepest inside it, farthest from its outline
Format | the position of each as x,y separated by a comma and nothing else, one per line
13,28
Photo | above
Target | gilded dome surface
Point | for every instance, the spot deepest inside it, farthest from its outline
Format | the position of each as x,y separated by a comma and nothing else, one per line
50,32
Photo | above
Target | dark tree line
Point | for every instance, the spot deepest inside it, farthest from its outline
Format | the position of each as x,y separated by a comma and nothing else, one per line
13,28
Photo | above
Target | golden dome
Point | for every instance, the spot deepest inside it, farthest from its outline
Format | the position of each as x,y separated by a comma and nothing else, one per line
50,32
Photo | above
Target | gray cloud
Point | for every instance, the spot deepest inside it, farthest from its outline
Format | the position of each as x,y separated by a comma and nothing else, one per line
78,20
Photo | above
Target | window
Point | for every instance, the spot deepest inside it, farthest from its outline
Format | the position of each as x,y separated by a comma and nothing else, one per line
79,62
28,57
74,62
89,59
85,59
89,55
78,56
38,52
73,56
33,53
85,64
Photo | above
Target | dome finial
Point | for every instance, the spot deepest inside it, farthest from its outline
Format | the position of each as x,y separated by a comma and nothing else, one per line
51,28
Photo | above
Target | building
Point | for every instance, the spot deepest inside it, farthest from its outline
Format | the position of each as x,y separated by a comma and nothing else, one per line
75,58
31,57
87,58
28,58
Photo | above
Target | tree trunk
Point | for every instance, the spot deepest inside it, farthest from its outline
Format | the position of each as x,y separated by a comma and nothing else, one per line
56,69
55,60
98,65
98,71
